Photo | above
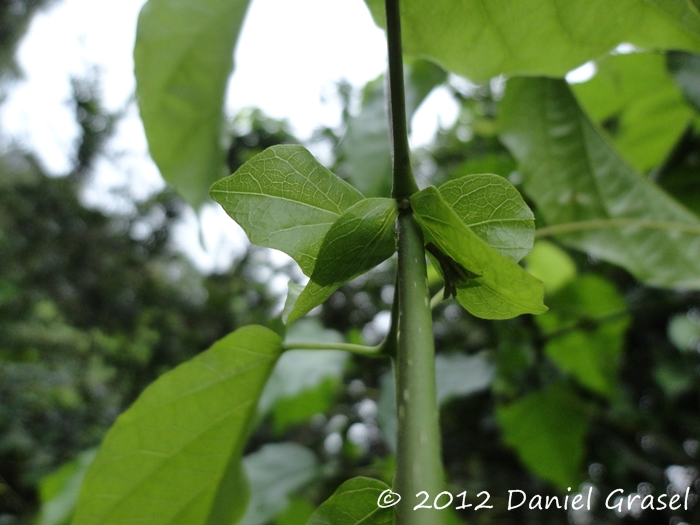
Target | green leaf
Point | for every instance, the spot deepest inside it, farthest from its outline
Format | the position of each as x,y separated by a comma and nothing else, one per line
174,457
685,68
284,199
684,332
297,513
59,490
649,110
183,57
586,325
494,210
502,289
354,503
551,265
275,472
361,238
548,429
481,39
586,193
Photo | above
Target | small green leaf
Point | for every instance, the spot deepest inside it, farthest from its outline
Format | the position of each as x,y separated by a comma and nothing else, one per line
183,57
361,238
502,289
354,503
481,39
59,490
284,199
494,210
649,111
174,457
586,193
548,429
275,472
586,325
551,265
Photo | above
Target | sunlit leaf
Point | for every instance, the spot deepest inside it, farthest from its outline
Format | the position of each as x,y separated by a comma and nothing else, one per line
174,457
494,210
649,111
551,265
502,289
354,503
284,199
183,57
361,238
585,326
481,39
586,193
275,472
547,429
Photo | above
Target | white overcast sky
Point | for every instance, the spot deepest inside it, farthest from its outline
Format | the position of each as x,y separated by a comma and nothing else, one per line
316,43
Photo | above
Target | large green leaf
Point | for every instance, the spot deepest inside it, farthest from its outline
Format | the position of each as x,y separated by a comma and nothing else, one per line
174,457
501,288
284,199
589,197
494,210
586,325
275,472
547,429
183,57
649,111
481,39
354,503
361,238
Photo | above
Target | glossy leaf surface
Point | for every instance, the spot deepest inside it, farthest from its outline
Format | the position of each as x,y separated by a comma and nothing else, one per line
502,289
284,199
590,198
494,210
361,238
354,503
183,57
547,429
174,457
480,39
648,107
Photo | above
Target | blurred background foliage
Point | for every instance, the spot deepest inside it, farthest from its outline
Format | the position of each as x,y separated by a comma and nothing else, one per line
601,392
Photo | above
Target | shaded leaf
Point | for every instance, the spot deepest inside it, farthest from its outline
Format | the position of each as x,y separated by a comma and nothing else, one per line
183,57
59,490
275,472
284,199
649,110
586,325
481,39
174,457
494,210
354,503
502,289
547,429
361,238
685,68
586,193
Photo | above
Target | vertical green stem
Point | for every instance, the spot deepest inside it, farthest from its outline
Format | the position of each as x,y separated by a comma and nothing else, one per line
419,463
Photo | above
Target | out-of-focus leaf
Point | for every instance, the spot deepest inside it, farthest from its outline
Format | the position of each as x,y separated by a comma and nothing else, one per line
586,323
586,193
551,265
297,513
354,503
366,145
174,457
275,472
684,332
459,375
305,380
685,68
59,490
284,199
480,39
183,57
547,429
361,238
649,109
502,289
494,210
